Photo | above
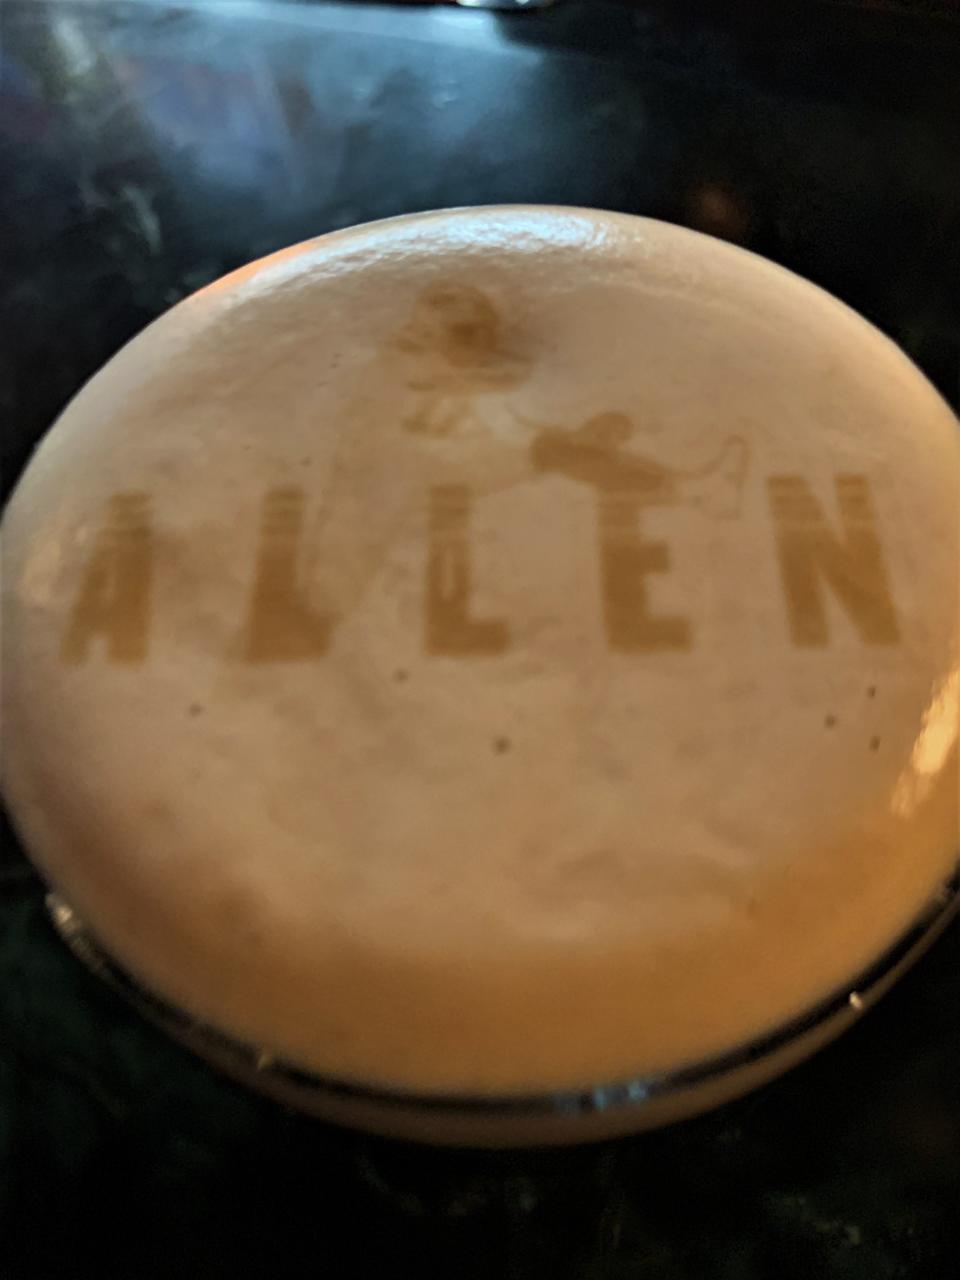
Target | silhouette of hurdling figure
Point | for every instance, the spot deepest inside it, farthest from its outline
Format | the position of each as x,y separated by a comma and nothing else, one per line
625,483
594,454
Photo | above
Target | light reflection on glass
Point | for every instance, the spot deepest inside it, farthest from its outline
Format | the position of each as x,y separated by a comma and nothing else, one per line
931,751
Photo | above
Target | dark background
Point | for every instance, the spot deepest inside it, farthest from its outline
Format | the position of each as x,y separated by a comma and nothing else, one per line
146,148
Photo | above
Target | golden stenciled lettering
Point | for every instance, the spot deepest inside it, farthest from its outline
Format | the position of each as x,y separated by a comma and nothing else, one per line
851,563
281,626
625,483
625,561
816,556
114,598
449,627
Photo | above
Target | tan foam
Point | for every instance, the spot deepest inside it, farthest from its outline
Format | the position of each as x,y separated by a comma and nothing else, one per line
492,650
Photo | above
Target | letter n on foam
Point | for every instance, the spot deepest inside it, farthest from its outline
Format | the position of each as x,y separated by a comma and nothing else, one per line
850,562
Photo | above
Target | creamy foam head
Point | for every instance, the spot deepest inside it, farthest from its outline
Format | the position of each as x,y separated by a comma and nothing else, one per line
492,649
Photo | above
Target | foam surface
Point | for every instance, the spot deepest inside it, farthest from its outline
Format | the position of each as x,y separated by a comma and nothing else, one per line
492,650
